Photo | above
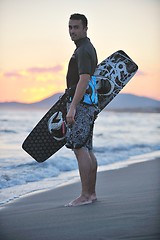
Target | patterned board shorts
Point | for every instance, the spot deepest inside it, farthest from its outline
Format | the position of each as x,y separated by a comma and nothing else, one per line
80,134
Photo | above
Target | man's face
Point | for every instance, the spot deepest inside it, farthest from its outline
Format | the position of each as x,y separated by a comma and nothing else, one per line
77,30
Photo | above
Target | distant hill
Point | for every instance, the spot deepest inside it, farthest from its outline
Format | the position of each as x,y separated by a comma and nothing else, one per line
47,102
123,102
43,104
134,102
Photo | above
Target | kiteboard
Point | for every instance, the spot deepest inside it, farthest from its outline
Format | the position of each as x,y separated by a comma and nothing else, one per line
48,136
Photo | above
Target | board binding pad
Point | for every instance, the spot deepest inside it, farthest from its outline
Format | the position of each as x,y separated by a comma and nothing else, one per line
112,75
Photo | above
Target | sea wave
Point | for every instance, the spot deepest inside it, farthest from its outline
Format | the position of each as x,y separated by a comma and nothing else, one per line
23,173
3,131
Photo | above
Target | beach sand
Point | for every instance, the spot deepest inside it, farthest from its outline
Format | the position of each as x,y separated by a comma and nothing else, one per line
127,208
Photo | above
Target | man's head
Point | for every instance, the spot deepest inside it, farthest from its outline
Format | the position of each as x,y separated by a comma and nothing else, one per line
78,26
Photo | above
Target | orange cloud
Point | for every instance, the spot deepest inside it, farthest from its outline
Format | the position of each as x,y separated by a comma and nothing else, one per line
33,84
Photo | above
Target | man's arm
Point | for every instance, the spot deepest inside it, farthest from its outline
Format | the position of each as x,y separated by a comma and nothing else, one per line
79,93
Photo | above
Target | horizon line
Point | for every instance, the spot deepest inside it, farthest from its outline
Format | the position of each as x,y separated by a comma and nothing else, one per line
14,101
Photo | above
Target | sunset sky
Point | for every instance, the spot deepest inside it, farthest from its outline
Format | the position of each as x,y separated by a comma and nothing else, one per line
35,46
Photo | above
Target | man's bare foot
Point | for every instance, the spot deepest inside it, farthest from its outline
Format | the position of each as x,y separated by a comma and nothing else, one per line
80,201
93,197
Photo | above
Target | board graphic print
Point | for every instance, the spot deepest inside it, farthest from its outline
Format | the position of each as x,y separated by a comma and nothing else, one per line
48,136
112,75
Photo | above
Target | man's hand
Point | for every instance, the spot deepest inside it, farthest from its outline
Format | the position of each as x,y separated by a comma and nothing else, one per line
70,116
79,93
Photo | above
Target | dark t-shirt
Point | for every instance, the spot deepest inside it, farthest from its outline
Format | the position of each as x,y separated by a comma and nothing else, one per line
83,61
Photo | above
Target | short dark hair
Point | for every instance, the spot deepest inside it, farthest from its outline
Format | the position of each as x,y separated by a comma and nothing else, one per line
77,16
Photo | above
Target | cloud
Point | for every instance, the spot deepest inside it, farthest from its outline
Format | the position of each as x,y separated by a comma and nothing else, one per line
54,69
32,84
12,74
33,70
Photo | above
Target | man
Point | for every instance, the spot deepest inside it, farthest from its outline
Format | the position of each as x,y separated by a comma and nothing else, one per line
82,107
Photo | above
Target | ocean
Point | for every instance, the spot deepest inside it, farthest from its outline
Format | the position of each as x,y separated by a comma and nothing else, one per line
120,139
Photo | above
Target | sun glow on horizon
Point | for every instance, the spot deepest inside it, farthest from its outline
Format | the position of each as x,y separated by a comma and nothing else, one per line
32,85
35,84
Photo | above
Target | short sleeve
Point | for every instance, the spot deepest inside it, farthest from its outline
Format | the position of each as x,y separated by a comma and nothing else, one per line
84,61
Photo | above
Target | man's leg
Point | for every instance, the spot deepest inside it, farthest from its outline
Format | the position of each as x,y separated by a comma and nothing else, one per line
93,176
86,160
87,168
